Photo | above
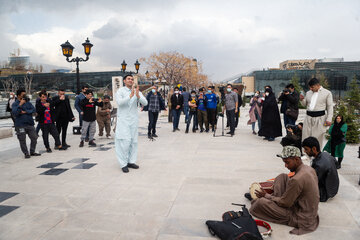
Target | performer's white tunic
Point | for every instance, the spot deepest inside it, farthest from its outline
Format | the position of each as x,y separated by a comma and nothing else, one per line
317,101
126,135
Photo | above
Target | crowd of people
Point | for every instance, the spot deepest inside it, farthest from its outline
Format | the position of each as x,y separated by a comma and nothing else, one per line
295,198
53,115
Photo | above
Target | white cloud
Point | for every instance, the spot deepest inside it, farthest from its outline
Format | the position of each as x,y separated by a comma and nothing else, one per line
228,37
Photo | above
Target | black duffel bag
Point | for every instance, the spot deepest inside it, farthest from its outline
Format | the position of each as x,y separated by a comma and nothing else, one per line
235,226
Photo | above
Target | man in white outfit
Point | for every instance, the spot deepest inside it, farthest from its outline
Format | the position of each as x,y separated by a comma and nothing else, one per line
319,111
126,135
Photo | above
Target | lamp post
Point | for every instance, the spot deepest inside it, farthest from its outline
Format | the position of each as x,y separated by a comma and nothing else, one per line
137,67
67,50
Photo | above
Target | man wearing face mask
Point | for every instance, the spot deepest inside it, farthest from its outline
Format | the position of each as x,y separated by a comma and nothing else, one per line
155,105
211,104
231,107
319,111
192,112
177,102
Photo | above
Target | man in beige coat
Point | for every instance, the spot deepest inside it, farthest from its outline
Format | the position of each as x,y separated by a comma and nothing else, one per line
319,111
103,116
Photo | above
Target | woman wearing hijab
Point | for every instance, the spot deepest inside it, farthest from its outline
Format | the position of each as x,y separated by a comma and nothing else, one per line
255,111
337,142
270,117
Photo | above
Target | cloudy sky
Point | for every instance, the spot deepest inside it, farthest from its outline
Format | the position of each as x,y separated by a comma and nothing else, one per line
229,37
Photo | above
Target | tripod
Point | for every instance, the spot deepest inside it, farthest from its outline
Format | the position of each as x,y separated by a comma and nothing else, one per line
217,117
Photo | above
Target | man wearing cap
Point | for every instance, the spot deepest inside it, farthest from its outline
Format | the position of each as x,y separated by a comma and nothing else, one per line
295,200
103,117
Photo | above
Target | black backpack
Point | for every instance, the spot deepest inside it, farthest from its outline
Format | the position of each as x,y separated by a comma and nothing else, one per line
235,226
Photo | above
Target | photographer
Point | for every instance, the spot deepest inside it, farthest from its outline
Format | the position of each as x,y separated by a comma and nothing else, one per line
293,136
89,118
22,109
290,104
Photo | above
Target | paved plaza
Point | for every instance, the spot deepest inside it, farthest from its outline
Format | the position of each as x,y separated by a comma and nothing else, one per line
183,180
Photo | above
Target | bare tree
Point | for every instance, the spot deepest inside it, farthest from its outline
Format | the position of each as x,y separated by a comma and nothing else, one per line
27,82
14,85
6,85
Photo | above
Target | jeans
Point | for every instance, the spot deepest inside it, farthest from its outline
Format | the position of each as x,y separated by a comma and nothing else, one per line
21,135
288,120
186,112
50,128
176,117
258,120
88,128
230,114
191,114
81,123
153,116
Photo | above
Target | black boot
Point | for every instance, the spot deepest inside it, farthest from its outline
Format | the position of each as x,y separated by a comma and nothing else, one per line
339,162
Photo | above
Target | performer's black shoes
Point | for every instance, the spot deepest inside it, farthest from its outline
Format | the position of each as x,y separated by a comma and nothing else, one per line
125,169
132,165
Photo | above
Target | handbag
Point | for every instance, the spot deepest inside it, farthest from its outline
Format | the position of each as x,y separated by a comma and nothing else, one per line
292,113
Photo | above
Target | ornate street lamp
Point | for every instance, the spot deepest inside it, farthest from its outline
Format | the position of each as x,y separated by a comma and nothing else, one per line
123,66
137,66
67,50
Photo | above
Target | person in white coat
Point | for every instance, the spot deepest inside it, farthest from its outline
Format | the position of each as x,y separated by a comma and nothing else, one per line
126,135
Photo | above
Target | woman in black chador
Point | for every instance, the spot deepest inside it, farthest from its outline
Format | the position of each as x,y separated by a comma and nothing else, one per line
270,117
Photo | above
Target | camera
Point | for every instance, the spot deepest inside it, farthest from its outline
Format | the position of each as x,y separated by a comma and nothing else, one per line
26,98
295,128
286,91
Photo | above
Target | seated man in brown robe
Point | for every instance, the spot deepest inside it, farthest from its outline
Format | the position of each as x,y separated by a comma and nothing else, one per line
295,200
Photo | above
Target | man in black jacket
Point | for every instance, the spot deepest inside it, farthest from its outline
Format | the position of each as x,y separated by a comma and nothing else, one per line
290,104
155,105
45,111
325,167
62,114
177,102
88,105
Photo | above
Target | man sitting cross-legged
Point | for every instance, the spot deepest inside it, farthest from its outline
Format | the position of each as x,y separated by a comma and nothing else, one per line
295,200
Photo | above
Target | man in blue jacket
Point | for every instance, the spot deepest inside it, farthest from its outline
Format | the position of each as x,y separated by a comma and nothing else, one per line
22,109
211,104
155,105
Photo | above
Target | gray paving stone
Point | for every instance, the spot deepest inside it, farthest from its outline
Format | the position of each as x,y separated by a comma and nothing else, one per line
183,180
